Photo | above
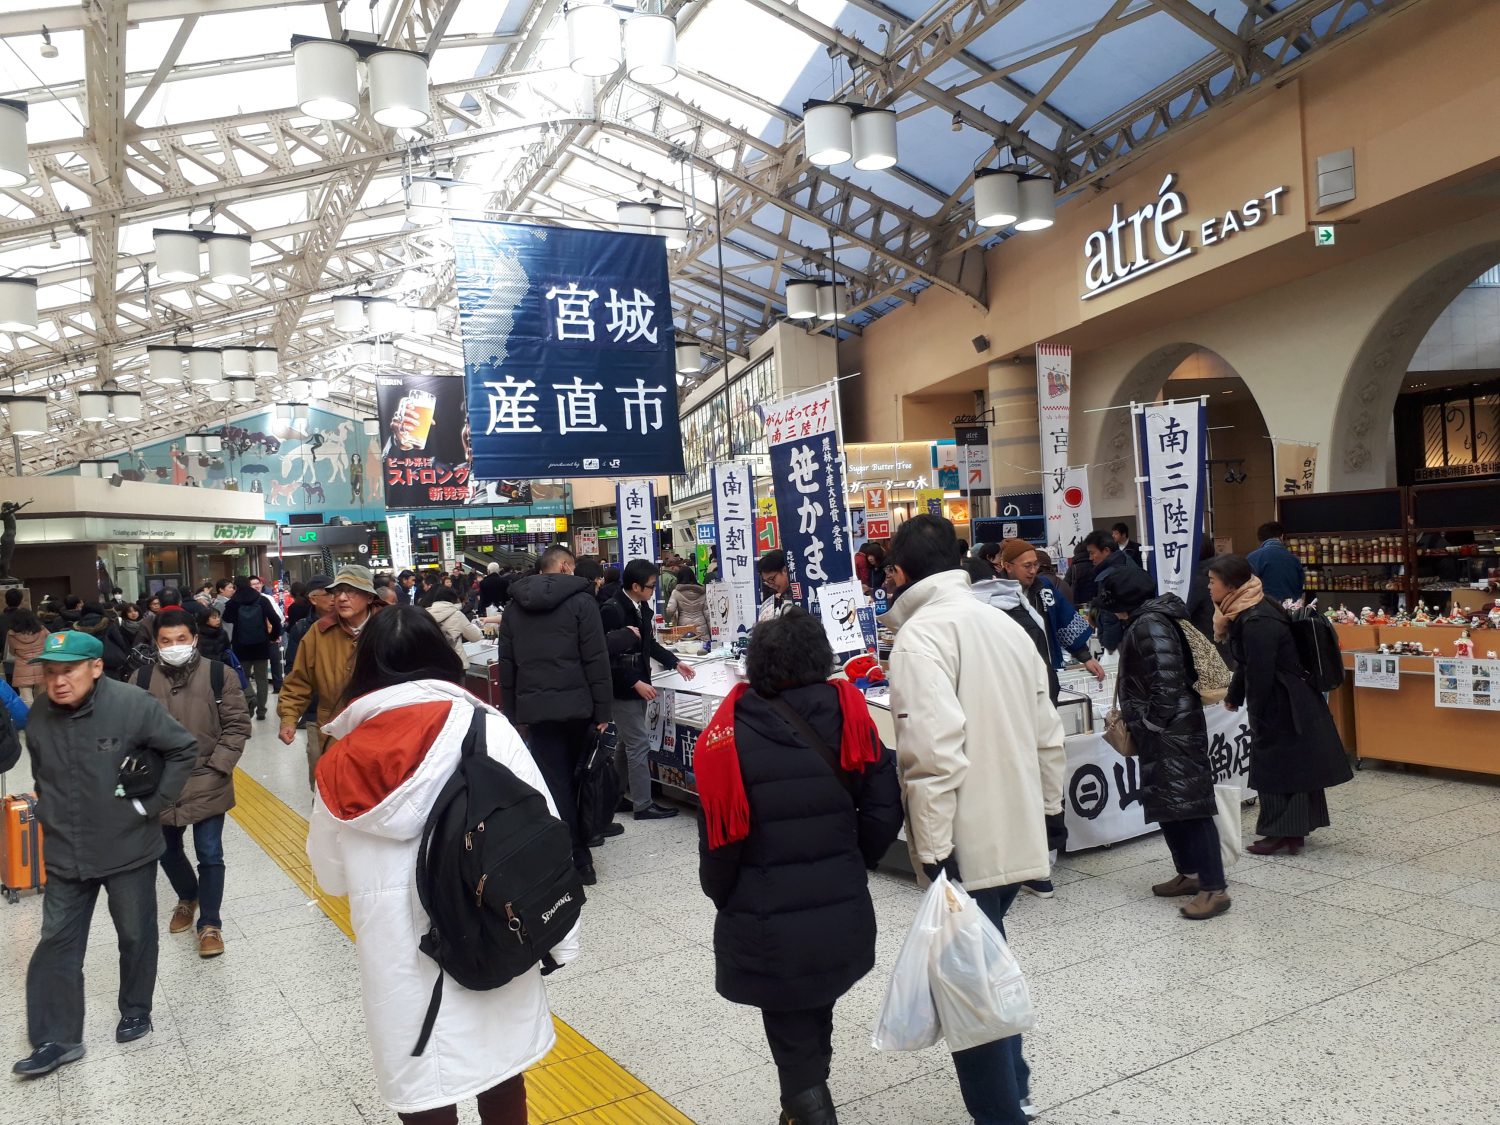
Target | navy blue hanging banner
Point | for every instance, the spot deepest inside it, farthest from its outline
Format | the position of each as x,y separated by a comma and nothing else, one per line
808,478
568,351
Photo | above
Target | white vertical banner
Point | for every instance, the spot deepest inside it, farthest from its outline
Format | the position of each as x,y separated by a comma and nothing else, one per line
450,549
734,519
1171,439
636,503
398,531
586,541
1065,491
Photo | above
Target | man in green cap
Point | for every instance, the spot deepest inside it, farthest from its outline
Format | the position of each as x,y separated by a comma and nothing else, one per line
324,657
107,759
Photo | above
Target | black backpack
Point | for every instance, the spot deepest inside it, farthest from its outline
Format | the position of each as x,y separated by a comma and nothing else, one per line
215,679
495,875
250,623
1318,648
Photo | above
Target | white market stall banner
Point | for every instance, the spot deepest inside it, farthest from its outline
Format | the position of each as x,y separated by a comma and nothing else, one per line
1171,449
1102,790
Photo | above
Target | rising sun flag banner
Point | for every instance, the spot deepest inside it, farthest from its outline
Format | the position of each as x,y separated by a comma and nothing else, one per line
568,351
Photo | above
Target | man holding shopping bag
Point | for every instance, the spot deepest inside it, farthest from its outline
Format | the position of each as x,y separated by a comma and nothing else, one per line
982,762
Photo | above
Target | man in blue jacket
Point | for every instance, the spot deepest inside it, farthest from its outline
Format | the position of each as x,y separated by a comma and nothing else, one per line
1279,570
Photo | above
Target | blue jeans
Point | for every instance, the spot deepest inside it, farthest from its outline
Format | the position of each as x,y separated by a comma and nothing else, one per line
207,887
994,1077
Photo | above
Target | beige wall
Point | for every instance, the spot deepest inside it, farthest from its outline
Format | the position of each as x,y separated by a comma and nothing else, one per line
1321,336
62,495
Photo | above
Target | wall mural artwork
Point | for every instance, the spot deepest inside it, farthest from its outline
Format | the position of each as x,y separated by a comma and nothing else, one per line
327,465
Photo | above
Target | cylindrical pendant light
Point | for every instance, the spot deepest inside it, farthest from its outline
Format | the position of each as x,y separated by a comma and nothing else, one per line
671,223
204,366
997,198
801,299
593,40
176,255
164,365
349,314
1037,203
634,218
28,416
828,129
15,168
371,427
874,139
229,259
17,304
362,351
424,322
93,406
263,361
384,315
236,361
650,48
213,443
382,352
220,392
833,304
297,390
327,78
398,89
192,443
126,406
689,359
242,389
317,390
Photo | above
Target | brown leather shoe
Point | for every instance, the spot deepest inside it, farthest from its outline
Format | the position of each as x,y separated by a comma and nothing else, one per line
1177,886
182,916
210,942
1205,905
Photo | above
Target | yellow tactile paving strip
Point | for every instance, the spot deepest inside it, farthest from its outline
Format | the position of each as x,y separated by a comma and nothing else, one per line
577,1082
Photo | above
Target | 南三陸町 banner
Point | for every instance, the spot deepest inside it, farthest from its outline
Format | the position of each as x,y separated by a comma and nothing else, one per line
568,351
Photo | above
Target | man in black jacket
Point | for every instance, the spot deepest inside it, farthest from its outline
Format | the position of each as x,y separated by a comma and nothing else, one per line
256,627
632,644
555,684
81,738
494,588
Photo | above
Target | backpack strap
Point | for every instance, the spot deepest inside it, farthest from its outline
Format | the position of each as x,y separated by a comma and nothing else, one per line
431,943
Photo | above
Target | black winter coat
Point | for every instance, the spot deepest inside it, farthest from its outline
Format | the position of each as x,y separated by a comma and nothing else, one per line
630,656
249,636
1165,714
94,622
553,663
1294,746
494,589
796,928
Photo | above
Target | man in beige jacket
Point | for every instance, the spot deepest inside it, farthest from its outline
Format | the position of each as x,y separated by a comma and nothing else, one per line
981,753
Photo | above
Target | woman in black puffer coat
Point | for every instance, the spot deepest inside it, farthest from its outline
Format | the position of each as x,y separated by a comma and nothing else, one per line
790,826
1165,717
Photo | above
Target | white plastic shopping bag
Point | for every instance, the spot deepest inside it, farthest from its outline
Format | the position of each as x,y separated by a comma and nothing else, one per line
976,982
908,1021
1227,819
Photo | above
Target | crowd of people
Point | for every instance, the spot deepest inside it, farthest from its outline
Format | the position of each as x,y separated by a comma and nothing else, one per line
799,797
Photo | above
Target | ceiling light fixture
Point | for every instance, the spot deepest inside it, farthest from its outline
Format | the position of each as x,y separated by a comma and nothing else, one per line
398,89
18,304
593,39
689,358
671,222
651,48
833,302
178,259
874,137
801,299
28,414
327,72
229,258
1038,204
997,197
241,389
634,218
828,129
15,167
327,78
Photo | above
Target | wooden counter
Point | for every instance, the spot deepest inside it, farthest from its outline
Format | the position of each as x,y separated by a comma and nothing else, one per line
1407,726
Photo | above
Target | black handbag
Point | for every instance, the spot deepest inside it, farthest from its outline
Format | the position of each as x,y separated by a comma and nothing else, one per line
598,787
139,776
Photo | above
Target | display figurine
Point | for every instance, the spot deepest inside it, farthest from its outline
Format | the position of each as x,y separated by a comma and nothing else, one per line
1490,655
1366,615
1380,618
1494,616
1464,646
1384,650
1421,617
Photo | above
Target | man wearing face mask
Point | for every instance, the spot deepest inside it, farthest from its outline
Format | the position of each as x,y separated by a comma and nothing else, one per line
88,738
324,656
205,697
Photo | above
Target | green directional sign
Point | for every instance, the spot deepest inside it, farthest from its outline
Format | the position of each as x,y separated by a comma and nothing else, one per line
1324,235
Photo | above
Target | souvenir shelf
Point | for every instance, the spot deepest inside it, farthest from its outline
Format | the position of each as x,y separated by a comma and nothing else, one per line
1455,534
1351,543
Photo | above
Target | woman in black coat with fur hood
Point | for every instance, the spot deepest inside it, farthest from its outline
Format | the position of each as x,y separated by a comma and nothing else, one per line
799,799
1165,717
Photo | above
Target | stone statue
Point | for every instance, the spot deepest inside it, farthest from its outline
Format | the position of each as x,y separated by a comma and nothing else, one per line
8,512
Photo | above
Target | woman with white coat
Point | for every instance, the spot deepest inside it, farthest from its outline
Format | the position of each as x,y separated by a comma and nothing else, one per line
456,627
399,737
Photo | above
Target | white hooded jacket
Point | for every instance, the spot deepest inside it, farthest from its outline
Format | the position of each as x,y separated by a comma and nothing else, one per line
979,742
415,731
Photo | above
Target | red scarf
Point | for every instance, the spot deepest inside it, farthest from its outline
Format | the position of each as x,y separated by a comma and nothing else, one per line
716,761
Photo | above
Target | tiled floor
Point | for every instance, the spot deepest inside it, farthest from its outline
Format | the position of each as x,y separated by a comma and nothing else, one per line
1356,984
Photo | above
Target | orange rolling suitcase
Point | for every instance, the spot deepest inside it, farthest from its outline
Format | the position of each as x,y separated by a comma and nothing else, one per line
21,866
